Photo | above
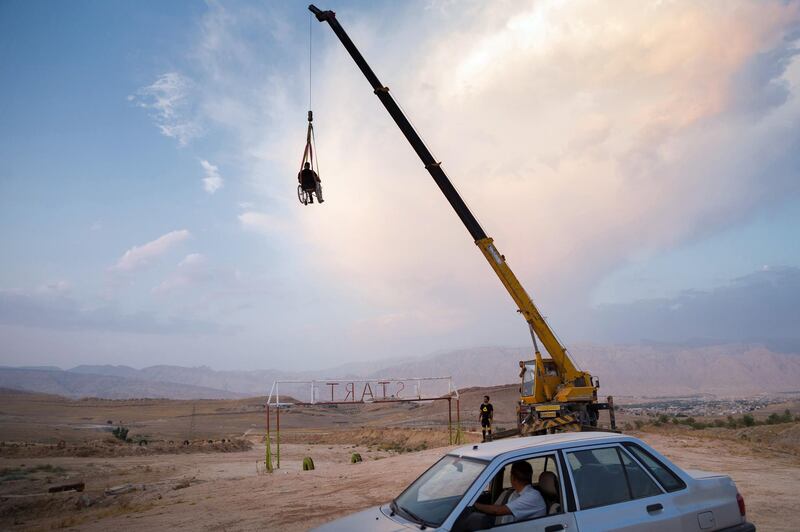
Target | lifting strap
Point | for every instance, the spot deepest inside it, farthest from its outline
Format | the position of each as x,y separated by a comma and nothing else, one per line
309,153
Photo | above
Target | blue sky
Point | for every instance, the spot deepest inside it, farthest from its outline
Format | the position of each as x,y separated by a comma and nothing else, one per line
147,193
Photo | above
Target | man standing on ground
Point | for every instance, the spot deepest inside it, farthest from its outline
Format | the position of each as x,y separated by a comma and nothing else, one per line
486,416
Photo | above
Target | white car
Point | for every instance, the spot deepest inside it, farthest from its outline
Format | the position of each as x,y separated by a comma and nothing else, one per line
606,481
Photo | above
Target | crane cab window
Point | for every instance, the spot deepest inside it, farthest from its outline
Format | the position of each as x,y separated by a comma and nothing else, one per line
527,379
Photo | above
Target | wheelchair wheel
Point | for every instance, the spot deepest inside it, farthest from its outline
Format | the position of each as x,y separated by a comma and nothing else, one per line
302,195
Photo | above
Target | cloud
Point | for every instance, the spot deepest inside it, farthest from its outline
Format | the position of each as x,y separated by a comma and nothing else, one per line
212,181
192,260
139,256
191,269
61,312
759,307
54,288
262,223
578,139
168,100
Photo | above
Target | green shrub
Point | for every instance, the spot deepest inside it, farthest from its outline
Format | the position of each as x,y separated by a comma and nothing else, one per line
355,458
775,418
120,433
748,420
308,464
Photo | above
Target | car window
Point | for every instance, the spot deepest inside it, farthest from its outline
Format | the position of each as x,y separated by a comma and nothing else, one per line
539,464
641,484
599,477
669,480
608,476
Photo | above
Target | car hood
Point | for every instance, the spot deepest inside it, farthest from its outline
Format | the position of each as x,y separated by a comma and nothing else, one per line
371,519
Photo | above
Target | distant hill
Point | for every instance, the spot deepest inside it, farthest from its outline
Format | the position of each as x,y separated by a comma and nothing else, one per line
641,370
252,382
109,387
256,382
631,369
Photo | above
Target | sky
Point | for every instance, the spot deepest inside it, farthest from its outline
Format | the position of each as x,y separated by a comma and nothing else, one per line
638,164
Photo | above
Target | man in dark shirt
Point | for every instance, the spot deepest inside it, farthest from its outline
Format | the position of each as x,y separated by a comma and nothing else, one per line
486,415
310,182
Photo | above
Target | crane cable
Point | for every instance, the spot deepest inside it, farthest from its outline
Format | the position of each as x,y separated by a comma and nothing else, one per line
310,151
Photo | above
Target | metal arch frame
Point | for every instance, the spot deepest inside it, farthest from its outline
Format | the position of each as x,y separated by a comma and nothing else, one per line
275,393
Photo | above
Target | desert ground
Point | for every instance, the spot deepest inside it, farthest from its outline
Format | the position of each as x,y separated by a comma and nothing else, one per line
211,484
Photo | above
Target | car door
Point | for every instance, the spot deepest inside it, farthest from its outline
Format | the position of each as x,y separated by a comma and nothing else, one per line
614,492
564,520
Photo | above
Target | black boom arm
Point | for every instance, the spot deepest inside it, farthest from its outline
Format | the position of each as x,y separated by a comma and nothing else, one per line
431,164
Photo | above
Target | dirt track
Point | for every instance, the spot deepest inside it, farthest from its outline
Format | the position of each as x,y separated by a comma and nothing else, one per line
225,492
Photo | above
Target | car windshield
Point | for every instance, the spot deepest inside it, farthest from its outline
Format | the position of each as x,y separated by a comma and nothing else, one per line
433,496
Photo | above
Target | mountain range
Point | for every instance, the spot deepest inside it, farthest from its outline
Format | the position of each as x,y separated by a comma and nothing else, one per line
623,370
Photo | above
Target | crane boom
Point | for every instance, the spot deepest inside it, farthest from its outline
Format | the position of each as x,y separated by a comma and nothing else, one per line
573,384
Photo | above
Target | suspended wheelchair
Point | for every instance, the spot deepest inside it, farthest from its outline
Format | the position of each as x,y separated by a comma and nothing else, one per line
305,193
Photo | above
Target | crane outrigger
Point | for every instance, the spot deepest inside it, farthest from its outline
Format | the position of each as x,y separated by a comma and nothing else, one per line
554,393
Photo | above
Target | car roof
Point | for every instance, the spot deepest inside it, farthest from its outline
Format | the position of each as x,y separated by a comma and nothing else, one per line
491,450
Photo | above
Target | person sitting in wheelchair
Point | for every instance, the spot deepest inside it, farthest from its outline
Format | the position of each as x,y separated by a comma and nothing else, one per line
310,182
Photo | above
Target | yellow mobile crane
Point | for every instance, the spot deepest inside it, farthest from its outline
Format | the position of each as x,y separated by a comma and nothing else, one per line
555,394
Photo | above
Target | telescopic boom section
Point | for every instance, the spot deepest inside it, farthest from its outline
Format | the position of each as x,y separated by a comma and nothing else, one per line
569,373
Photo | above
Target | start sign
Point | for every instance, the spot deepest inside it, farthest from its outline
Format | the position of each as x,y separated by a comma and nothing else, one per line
394,389
334,391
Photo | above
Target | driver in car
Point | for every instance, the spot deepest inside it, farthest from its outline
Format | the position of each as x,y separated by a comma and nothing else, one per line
525,503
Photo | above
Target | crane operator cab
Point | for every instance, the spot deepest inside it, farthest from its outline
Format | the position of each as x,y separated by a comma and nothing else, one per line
538,411
549,378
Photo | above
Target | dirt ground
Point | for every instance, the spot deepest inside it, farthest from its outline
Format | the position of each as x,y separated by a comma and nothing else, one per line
200,490
230,491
